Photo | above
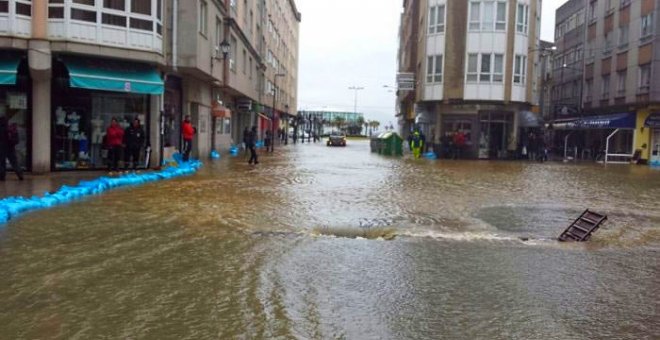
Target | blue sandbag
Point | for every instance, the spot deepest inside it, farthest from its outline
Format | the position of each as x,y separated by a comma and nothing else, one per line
233,150
11,207
430,155
215,154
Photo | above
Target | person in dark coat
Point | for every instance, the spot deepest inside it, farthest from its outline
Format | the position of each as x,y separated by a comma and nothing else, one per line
8,142
134,138
251,143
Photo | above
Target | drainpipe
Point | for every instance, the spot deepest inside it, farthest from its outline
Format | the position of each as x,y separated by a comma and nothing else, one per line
175,21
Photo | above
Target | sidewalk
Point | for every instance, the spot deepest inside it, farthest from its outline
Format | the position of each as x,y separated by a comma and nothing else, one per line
37,185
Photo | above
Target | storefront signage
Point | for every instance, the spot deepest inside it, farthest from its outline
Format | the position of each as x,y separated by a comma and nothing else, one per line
17,101
615,121
653,120
127,86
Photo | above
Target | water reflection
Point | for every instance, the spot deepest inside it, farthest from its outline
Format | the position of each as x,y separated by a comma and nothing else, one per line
321,242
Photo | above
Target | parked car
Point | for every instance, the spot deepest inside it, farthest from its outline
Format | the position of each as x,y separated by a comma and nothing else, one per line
337,139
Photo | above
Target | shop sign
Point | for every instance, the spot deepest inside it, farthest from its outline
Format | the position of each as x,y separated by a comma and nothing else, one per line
127,86
17,101
653,120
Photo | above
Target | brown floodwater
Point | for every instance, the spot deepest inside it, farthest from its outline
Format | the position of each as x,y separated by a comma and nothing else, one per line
318,243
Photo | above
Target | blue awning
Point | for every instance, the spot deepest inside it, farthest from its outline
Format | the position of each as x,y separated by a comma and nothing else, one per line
614,121
9,68
113,75
653,120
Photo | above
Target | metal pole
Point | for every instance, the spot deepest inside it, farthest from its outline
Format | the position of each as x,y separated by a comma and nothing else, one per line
272,122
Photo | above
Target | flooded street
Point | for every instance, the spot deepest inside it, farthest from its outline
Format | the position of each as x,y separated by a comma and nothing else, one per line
318,243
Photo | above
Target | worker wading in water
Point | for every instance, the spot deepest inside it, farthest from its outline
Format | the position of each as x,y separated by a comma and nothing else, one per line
416,142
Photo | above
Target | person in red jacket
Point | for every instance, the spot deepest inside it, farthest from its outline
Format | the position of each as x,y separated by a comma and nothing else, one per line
114,137
188,132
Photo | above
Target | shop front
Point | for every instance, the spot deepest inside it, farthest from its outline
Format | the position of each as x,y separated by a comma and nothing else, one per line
606,138
495,131
15,92
86,95
652,122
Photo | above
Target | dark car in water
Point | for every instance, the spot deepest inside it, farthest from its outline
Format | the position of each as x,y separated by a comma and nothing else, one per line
337,139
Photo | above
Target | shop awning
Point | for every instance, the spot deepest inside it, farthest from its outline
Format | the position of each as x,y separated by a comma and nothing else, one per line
614,121
9,68
113,75
653,120
529,119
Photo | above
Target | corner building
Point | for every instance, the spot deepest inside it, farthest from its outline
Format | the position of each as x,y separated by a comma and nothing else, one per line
475,72
68,67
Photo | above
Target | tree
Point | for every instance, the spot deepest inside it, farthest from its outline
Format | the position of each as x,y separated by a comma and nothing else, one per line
374,125
359,122
339,122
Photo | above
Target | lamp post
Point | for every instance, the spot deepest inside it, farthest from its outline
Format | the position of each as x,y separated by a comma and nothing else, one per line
356,89
224,48
272,122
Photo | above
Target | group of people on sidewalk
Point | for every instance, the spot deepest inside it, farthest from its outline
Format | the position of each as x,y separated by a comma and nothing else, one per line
130,141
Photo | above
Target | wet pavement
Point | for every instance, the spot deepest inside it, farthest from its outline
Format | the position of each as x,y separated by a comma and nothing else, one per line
317,243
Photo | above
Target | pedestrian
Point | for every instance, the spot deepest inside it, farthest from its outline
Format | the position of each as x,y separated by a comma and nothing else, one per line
188,132
134,138
532,146
459,143
251,143
246,135
268,142
114,139
8,141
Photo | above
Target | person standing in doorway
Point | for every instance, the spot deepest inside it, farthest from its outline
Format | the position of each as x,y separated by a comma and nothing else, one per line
459,144
114,139
188,132
8,141
134,138
246,135
251,142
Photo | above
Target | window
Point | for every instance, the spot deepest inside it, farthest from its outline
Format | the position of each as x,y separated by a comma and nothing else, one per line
500,23
605,93
520,69
473,61
647,25
250,66
84,2
498,68
141,7
82,15
608,42
592,10
4,6
475,16
437,19
145,25
23,9
623,35
488,18
588,85
522,19
244,61
608,6
113,20
234,49
218,32
203,13
119,5
485,70
644,77
434,69
621,83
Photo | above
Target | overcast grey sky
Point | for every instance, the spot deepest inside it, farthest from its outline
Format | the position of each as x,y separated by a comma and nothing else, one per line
354,42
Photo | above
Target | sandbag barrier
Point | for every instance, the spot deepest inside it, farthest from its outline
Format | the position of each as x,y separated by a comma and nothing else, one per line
12,207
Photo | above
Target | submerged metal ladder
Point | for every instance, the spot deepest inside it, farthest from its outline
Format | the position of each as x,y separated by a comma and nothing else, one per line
582,228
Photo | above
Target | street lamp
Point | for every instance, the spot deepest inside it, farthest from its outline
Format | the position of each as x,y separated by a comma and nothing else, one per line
356,89
564,66
272,122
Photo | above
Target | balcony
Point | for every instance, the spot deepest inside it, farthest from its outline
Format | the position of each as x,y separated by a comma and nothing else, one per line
108,27
16,18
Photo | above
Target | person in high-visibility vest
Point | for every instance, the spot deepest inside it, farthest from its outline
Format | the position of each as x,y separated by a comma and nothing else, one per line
416,142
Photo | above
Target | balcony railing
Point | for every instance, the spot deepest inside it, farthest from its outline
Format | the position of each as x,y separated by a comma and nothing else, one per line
140,29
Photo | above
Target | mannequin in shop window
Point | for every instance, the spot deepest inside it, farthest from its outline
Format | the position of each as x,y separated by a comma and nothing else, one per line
73,122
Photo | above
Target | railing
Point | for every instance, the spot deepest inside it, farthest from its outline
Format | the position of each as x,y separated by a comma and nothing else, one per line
16,18
96,24
626,156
